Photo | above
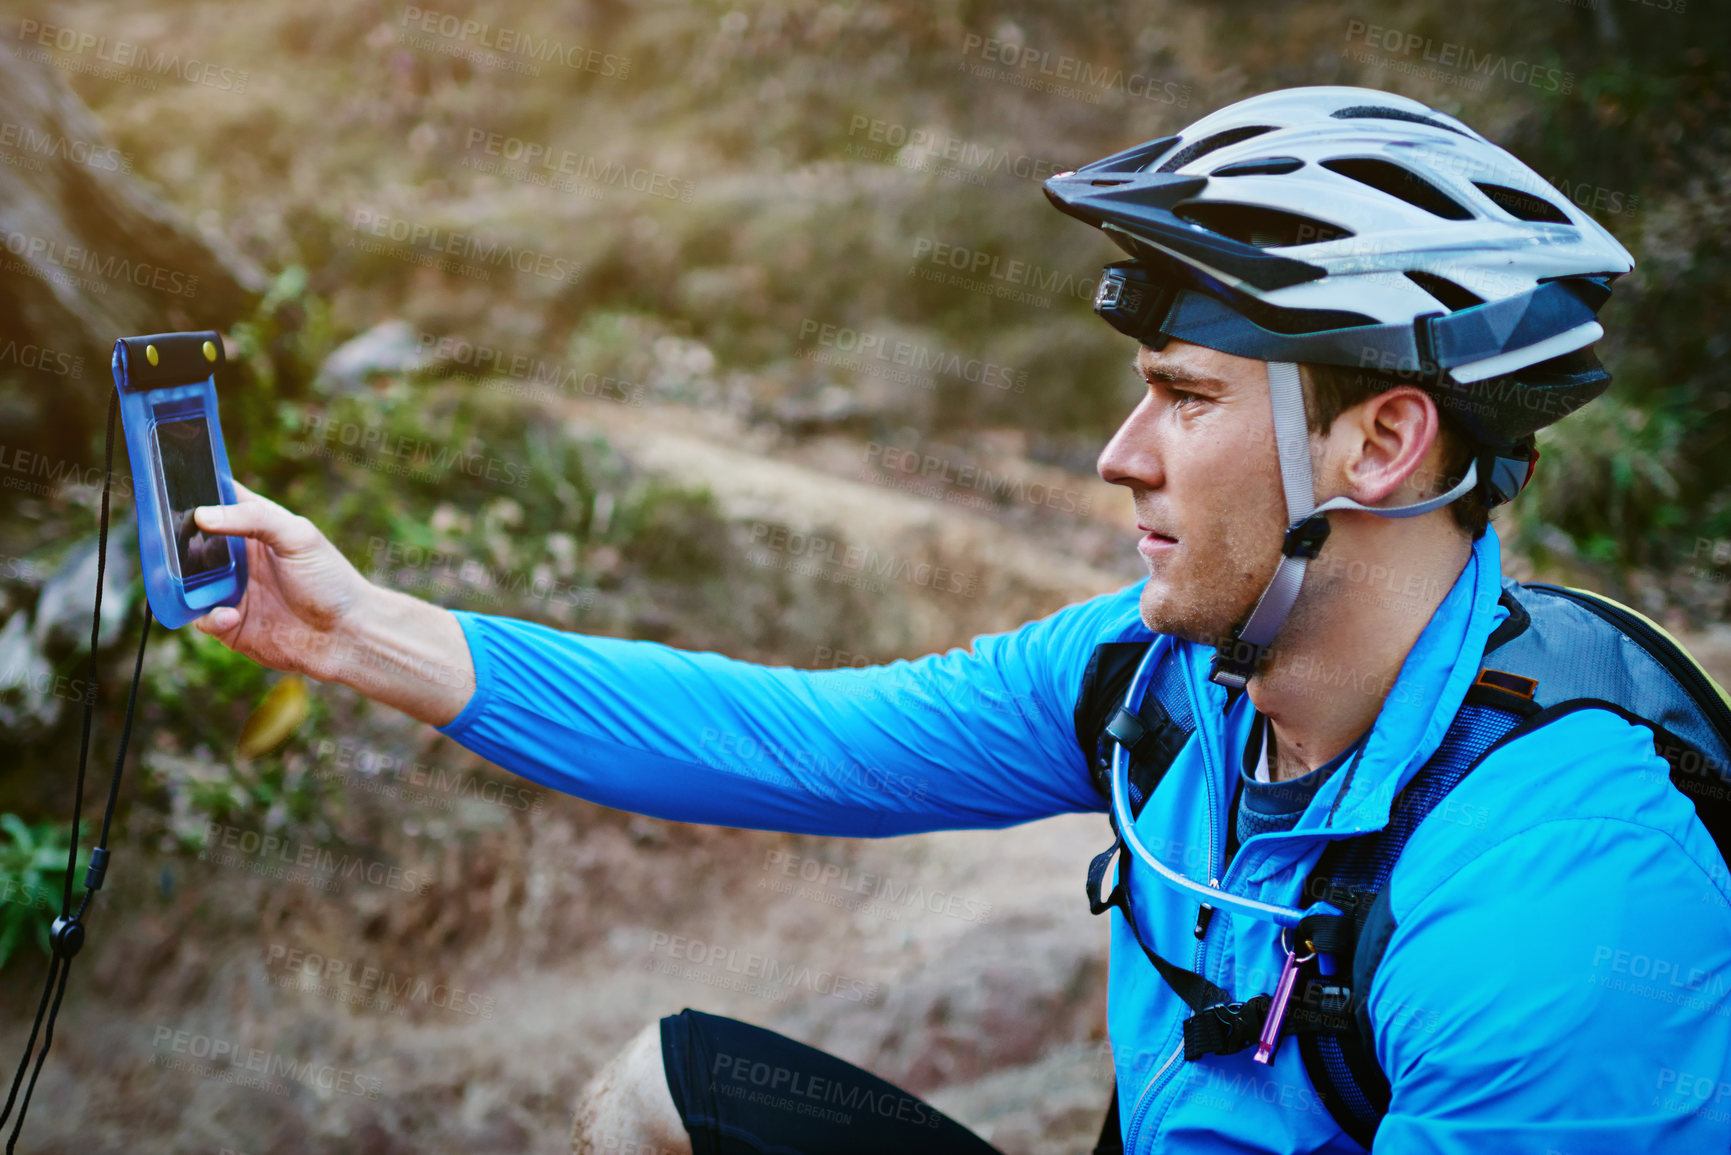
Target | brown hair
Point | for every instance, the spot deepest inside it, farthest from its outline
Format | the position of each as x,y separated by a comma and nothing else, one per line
1330,390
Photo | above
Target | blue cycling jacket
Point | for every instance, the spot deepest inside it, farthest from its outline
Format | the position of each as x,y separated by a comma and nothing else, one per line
1559,982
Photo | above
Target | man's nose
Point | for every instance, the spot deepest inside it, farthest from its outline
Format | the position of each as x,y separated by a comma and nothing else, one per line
1132,457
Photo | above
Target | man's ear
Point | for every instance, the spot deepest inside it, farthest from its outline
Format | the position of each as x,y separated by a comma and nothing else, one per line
1387,440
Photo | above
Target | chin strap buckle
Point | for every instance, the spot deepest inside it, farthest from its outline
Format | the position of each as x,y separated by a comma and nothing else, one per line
1305,539
1234,661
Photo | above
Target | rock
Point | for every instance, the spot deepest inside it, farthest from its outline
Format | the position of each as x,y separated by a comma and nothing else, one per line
1055,1104
92,254
390,347
1008,992
63,608
830,407
26,679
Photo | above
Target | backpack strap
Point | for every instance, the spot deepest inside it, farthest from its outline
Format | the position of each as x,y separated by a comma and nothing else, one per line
1330,1012
1152,738
1560,650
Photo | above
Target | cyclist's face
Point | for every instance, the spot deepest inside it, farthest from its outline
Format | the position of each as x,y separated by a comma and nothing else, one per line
1197,454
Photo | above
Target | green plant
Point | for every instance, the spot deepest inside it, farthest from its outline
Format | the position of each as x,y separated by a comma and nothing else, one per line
32,873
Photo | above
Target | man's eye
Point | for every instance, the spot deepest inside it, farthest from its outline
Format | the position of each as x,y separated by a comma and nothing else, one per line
1183,396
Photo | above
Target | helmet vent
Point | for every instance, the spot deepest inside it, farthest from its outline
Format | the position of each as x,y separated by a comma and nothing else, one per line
1383,112
1268,166
1526,206
1209,144
1400,183
1259,226
1451,295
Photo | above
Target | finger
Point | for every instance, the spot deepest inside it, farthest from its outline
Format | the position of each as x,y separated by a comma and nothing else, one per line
261,519
243,496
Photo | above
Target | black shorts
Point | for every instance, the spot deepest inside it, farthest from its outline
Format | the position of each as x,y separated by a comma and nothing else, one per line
744,1090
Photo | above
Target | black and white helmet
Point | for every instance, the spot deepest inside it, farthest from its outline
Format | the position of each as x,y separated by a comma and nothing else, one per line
1347,226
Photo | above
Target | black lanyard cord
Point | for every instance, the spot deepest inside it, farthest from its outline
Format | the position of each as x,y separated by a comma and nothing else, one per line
68,934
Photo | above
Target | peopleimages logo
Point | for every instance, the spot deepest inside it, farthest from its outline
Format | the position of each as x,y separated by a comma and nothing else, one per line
817,552
1008,270
39,251
487,363
769,977
998,487
436,241
226,1058
321,435
1048,70
860,348
563,162
231,845
127,54
1462,58
51,472
343,980
933,150
880,887
53,146
803,1093
366,763
514,42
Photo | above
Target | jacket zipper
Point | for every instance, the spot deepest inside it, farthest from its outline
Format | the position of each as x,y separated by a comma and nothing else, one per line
1661,648
1146,1099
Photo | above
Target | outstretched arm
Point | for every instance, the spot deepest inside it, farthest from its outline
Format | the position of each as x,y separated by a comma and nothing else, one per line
962,739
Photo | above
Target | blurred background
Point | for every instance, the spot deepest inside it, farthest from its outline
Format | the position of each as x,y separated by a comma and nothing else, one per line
740,328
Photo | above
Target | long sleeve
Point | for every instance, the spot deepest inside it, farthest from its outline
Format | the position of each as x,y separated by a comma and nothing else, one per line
962,739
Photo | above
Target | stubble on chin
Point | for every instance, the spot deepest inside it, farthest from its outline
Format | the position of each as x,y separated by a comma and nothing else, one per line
1202,603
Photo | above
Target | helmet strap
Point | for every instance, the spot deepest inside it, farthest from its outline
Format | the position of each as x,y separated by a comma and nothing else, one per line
1236,659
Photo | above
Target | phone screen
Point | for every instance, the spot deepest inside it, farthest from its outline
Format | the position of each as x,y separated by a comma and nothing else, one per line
189,473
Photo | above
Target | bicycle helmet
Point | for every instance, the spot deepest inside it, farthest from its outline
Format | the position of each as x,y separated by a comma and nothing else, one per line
1347,226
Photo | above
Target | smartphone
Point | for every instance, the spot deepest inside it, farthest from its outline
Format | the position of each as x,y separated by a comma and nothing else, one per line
167,388
187,468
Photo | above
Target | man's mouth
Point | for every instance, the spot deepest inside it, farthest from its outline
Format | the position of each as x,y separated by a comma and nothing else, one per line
1154,541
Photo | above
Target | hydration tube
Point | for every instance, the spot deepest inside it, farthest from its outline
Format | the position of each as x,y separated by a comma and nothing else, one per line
1285,916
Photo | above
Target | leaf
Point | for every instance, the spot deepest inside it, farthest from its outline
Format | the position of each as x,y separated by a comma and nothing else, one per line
49,858
14,826
280,714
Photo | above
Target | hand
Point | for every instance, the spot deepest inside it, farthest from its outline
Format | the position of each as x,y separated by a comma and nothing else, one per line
300,589
308,611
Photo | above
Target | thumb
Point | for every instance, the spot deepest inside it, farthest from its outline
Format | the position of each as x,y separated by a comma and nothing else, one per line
218,621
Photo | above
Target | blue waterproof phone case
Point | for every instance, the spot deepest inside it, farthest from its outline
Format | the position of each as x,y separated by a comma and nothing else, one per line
167,388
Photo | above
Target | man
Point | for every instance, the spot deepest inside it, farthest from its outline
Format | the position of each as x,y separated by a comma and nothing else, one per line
1348,304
